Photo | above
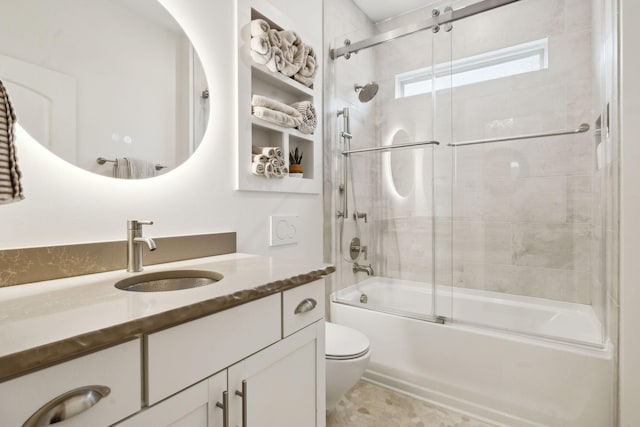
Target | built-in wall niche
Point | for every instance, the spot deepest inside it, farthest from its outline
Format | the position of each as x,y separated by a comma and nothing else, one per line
304,146
258,79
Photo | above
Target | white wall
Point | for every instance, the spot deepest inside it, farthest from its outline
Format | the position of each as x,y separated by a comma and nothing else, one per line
630,206
67,205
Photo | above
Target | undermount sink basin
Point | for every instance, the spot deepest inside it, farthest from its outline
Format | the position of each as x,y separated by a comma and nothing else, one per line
172,280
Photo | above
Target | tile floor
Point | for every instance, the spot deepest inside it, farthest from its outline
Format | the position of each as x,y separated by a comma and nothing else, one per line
368,405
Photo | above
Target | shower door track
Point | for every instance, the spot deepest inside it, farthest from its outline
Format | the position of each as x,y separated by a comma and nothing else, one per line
435,21
441,320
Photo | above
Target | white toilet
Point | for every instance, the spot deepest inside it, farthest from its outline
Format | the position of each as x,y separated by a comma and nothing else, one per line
347,355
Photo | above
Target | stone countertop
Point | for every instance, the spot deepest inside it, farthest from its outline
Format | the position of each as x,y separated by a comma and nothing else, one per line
45,323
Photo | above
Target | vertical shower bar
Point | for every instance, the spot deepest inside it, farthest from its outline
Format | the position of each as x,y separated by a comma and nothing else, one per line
346,144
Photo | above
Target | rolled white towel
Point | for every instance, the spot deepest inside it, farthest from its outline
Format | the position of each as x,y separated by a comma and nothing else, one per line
307,81
257,168
268,170
293,59
260,158
278,153
261,51
308,68
276,62
309,117
264,151
274,38
259,26
272,104
290,38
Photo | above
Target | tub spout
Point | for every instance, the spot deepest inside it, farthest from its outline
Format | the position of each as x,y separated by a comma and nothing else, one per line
364,268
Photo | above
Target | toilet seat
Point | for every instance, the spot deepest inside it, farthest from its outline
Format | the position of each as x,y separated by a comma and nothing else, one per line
343,343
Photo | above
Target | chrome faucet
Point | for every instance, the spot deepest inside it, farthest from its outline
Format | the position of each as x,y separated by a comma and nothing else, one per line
364,268
134,244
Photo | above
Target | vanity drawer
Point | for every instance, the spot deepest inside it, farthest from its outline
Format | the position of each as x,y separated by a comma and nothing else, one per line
117,368
185,354
302,306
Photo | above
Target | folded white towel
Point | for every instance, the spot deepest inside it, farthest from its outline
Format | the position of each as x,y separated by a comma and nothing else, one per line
277,117
276,62
272,104
309,117
259,26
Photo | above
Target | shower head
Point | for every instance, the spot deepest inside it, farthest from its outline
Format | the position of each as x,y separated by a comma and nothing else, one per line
367,92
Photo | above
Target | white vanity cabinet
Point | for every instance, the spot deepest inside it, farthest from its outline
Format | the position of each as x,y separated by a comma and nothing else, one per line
283,385
193,407
93,390
266,357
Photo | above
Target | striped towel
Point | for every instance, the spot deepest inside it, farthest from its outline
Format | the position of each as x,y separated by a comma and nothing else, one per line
10,186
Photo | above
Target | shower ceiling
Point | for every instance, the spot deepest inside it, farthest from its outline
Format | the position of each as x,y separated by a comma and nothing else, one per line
379,10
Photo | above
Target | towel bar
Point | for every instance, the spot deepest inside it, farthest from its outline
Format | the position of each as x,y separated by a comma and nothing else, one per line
102,161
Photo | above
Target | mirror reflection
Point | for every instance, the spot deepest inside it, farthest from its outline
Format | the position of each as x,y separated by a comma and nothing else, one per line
112,86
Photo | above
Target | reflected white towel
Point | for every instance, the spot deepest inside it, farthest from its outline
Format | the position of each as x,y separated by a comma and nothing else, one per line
132,168
259,26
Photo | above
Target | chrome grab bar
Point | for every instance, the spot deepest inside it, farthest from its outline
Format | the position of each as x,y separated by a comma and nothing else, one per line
391,147
581,129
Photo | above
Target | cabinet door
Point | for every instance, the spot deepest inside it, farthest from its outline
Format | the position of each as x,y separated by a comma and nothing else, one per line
283,385
193,407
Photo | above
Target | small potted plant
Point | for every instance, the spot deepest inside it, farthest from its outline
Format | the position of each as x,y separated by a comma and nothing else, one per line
295,163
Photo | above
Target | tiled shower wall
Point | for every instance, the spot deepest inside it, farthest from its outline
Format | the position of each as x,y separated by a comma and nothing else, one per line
513,217
521,217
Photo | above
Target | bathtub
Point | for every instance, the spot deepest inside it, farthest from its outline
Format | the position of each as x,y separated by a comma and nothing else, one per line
496,357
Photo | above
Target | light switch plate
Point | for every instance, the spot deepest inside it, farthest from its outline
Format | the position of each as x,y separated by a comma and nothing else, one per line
284,230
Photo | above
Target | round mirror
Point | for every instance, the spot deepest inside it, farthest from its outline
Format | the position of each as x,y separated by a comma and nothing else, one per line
402,165
112,86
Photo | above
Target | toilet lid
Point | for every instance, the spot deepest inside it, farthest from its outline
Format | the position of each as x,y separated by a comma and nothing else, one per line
344,343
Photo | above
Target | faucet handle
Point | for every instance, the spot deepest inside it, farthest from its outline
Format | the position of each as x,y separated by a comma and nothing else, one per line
135,224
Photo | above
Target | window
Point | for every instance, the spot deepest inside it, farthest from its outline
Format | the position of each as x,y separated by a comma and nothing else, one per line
510,61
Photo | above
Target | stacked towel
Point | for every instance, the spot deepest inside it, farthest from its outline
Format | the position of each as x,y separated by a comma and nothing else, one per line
299,115
275,112
283,52
10,186
268,162
132,168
